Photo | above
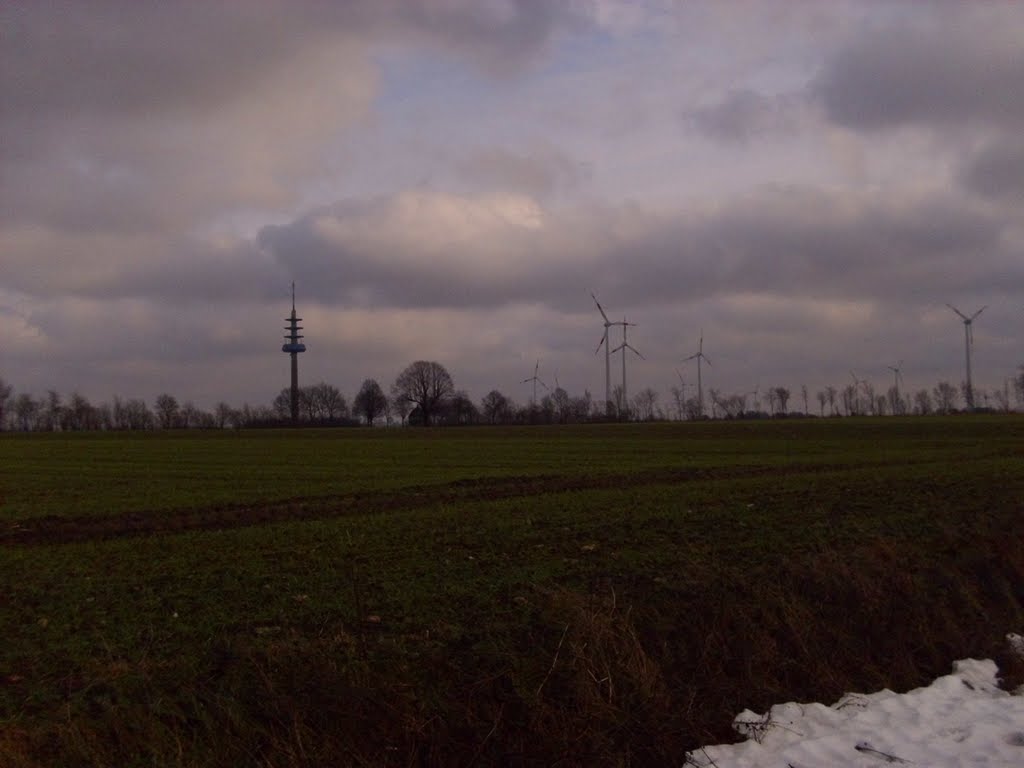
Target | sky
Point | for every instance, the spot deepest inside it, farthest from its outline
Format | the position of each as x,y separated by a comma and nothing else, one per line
805,184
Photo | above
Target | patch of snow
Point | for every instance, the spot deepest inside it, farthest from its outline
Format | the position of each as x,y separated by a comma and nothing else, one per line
963,719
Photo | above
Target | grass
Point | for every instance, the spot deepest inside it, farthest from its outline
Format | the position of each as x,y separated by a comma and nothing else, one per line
597,595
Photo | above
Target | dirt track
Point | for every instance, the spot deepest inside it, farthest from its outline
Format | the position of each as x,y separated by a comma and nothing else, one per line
67,529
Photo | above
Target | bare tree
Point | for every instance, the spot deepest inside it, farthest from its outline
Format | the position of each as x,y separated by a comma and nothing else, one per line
830,393
644,403
282,404
562,404
460,410
782,395
923,402
946,397
679,401
225,416
1002,397
26,412
869,397
53,411
803,391
772,398
189,416
370,401
496,407
81,415
716,402
427,385
399,405
692,409
582,406
895,401
6,393
822,399
329,402
166,407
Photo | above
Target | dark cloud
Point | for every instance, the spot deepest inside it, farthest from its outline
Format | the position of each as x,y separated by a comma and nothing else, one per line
743,115
150,58
954,72
996,170
804,240
143,115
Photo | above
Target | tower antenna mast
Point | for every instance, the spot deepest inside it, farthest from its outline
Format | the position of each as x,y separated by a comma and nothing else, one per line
293,347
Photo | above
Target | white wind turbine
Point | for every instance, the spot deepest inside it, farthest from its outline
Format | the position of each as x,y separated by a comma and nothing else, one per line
681,402
535,378
757,399
624,346
897,377
682,385
968,343
699,356
607,355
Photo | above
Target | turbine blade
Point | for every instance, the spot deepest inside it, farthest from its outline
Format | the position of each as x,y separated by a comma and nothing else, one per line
602,341
636,351
957,311
706,359
690,357
599,307
979,312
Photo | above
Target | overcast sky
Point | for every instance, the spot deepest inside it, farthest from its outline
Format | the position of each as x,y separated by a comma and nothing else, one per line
809,183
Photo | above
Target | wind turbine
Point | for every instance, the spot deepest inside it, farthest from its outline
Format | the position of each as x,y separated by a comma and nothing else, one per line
682,385
699,355
535,378
968,342
624,346
607,356
897,376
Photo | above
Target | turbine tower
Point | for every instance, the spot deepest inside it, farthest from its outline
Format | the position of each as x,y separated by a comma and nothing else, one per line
968,343
624,346
607,356
535,378
293,347
897,376
699,355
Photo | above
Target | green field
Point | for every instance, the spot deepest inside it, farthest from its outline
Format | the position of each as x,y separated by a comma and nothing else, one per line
592,595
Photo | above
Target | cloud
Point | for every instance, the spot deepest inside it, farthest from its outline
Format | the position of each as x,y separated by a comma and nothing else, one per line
744,114
540,172
432,249
451,178
128,116
961,69
996,170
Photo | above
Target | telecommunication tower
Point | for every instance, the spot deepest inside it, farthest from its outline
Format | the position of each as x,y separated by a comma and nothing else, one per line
293,347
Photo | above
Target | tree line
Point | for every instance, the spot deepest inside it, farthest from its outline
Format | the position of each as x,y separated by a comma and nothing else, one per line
424,393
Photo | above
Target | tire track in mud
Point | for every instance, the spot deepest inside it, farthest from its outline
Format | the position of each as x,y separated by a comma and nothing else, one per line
63,529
